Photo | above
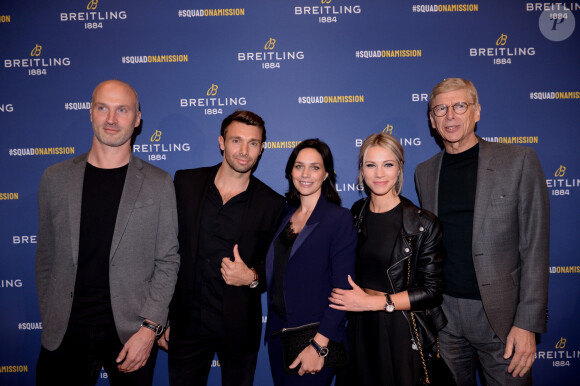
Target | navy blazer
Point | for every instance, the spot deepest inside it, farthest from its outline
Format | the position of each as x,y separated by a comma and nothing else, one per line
322,256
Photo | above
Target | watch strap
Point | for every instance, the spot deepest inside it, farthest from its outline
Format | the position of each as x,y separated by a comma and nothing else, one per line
255,281
158,329
321,350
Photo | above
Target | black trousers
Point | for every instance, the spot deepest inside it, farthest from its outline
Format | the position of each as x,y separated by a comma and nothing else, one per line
190,361
80,357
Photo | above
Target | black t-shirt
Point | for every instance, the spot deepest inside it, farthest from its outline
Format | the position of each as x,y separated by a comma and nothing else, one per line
375,254
457,185
102,190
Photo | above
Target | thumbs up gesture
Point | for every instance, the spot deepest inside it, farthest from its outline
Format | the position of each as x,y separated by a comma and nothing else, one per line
236,272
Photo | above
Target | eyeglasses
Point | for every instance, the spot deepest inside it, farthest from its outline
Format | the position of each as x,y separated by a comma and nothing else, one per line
458,108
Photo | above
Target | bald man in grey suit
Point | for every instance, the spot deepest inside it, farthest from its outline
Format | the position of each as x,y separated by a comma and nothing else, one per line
493,203
106,259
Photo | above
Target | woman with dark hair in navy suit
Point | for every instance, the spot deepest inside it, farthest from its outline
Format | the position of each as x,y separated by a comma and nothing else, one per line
313,252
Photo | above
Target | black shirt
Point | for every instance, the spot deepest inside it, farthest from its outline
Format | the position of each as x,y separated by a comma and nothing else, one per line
102,189
375,254
220,228
457,185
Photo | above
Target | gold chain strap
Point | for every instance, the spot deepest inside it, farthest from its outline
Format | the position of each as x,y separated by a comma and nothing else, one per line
420,350
415,325
409,265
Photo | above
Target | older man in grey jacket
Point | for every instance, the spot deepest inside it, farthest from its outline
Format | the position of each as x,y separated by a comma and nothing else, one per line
493,203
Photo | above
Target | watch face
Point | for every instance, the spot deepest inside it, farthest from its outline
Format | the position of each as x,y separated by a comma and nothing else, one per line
390,306
323,352
254,284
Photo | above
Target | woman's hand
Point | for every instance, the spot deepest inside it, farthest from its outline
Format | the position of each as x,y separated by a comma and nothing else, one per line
309,361
355,299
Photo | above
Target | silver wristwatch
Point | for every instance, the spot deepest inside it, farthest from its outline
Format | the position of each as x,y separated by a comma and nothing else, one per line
321,350
254,282
158,329
389,306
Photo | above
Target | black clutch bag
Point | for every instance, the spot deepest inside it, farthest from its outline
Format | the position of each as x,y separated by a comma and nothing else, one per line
296,339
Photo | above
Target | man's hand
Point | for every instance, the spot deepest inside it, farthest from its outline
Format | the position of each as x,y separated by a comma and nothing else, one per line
136,351
163,342
524,343
236,272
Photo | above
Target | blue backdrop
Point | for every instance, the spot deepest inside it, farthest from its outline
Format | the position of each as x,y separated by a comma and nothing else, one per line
335,69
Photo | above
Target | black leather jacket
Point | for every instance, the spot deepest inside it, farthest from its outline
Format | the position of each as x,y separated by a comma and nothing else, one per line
421,241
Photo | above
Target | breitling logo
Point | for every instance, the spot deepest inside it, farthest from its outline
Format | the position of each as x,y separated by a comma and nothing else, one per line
404,141
562,184
36,51
211,102
502,50
212,90
35,61
502,40
270,44
269,57
92,4
388,129
561,344
156,137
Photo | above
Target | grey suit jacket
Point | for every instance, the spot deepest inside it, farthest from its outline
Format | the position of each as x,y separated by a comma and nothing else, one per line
143,262
511,232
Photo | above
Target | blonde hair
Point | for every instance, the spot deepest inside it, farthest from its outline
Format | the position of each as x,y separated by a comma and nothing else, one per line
388,142
453,84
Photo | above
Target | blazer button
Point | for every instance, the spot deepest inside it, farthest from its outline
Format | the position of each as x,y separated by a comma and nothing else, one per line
406,249
421,229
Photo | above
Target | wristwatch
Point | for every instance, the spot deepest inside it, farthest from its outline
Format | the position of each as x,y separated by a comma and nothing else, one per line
158,329
389,306
321,350
254,282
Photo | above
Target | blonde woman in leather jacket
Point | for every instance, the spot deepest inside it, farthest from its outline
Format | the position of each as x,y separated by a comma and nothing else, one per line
393,233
